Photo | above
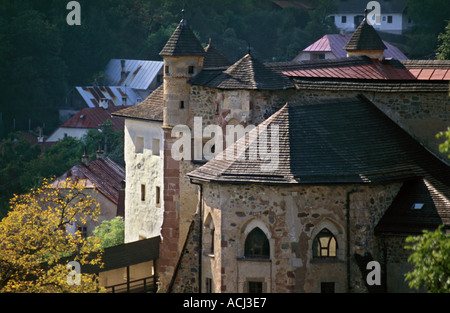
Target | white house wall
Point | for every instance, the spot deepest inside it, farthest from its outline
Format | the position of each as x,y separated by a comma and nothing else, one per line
143,218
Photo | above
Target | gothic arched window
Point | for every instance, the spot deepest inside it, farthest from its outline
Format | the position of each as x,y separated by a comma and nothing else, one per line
325,245
257,245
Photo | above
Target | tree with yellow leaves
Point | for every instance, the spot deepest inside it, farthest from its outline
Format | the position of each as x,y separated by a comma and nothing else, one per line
36,246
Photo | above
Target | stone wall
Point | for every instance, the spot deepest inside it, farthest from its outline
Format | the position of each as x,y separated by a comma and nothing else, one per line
291,217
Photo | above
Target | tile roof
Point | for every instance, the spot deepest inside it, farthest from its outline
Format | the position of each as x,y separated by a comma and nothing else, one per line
247,73
93,117
365,37
139,73
333,141
371,85
150,109
183,42
103,174
362,67
335,43
402,217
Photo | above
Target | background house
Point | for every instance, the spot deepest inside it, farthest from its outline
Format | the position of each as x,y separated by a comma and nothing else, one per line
393,15
86,119
125,83
331,46
104,181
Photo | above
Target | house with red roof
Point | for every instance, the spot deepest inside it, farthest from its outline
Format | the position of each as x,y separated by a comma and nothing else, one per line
104,181
331,46
86,119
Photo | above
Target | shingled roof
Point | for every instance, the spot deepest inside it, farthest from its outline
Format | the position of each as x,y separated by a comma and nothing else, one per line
151,109
365,37
247,73
183,42
103,174
332,141
418,205
214,59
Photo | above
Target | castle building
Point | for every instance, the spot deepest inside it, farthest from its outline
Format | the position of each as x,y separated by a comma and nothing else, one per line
332,163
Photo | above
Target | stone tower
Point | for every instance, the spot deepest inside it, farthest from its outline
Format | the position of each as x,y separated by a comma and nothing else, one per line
183,58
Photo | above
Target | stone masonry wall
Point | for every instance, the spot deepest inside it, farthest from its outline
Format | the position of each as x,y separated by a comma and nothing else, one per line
291,217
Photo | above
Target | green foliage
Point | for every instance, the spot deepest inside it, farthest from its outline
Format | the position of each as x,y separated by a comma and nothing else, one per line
444,48
431,259
23,165
445,146
111,232
429,18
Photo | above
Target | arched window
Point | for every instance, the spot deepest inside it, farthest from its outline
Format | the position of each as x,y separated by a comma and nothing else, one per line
325,245
257,245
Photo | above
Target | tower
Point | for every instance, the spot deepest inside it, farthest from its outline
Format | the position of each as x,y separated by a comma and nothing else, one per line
183,57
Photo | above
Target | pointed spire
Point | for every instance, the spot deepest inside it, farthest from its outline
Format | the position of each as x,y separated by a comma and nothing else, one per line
365,37
183,41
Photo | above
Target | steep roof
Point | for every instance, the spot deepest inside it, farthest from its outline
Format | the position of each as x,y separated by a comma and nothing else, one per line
93,117
103,174
151,109
335,43
418,205
247,73
345,140
365,37
183,42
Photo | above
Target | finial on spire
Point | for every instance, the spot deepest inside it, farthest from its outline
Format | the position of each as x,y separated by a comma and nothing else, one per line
365,14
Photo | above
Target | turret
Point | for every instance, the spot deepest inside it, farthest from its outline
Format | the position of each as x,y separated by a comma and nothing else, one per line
183,58
365,41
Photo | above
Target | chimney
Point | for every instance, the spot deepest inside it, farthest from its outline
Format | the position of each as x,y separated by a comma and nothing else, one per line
99,152
85,158
123,73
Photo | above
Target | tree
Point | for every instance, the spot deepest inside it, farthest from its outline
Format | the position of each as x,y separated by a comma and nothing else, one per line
111,232
444,47
431,259
34,238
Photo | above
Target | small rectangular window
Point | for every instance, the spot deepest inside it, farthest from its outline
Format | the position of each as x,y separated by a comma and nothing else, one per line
327,287
166,69
155,146
181,104
142,192
255,287
343,19
389,19
191,69
208,284
83,231
158,196
139,146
